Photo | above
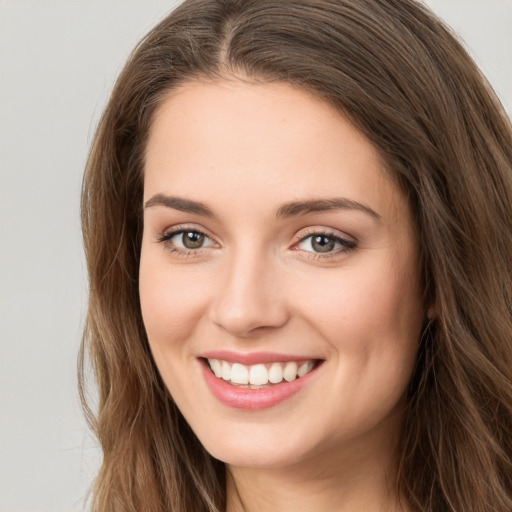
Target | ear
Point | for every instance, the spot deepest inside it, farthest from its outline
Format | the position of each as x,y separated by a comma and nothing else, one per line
431,312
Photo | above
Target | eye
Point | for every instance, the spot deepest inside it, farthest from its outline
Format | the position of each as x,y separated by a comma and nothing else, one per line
322,243
186,240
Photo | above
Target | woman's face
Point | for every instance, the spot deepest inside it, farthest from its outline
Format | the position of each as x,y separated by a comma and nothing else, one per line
277,252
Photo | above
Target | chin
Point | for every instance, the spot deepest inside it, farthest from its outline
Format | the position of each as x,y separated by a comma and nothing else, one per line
265,448
254,456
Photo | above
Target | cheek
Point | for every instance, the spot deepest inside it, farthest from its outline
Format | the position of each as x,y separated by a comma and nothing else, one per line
365,303
172,304
372,320
373,328
172,301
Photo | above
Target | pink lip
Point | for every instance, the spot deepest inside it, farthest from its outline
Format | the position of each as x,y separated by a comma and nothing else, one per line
253,399
254,357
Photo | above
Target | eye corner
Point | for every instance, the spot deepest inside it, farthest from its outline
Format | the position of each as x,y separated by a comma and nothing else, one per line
180,246
336,244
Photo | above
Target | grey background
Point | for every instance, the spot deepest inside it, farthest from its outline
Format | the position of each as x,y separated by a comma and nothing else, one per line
58,61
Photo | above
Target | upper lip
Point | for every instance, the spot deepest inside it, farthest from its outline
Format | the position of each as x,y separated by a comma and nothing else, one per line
251,358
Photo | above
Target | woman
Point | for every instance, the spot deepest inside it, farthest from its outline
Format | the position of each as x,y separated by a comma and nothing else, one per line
298,224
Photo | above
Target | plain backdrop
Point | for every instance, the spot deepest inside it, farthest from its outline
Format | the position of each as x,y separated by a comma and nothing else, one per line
58,62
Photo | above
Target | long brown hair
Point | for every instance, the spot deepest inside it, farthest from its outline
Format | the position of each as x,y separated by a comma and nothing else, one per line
402,78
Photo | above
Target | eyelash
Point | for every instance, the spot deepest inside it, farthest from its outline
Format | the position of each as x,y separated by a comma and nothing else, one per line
168,235
346,245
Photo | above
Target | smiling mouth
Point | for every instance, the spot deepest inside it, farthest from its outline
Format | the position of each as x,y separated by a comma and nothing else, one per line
260,376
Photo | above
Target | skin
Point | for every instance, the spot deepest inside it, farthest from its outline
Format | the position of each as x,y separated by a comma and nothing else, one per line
259,284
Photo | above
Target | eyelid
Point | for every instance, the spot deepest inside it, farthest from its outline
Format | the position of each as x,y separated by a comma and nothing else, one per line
347,242
326,232
179,228
167,234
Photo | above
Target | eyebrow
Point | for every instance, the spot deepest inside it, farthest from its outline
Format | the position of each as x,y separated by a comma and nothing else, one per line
323,205
181,204
291,209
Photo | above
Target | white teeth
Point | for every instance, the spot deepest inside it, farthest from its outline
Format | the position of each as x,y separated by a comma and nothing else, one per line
239,374
259,375
290,371
305,368
216,367
275,374
226,370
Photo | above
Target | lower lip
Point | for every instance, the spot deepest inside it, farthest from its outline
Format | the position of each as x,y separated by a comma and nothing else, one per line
253,399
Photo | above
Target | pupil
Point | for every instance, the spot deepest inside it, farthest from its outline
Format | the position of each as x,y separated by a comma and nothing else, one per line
193,240
322,243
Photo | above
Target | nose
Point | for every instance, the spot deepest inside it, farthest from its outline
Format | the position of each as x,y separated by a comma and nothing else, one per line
250,298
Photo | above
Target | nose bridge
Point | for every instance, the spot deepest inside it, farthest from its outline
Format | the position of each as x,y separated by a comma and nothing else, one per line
249,295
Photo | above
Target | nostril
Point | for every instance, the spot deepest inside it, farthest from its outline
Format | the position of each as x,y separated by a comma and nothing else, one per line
248,301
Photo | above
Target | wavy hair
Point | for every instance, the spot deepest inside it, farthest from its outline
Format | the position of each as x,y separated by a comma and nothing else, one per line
400,75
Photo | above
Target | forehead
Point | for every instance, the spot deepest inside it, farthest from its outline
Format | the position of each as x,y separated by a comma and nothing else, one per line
270,140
